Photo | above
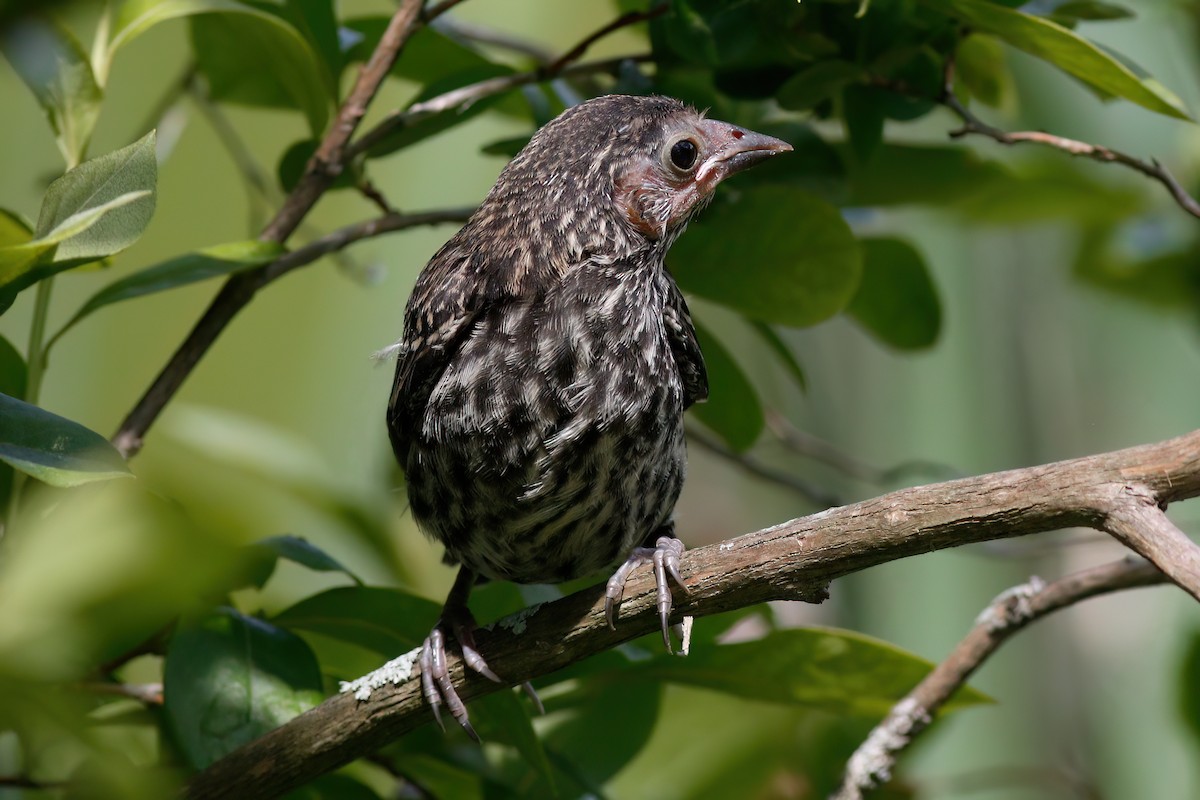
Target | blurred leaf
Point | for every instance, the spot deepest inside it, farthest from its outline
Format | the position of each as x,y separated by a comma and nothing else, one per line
1049,189
507,147
1189,686
317,23
13,371
258,59
13,374
814,166
607,722
896,301
232,678
838,671
784,353
99,184
1069,52
864,120
732,410
429,55
92,573
53,449
211,262
982,67
286,461
818,83
504,717
433,124
776,255
1169,281
13,228
387,621
305,553
55,67
690,35
917,174
334,787
1091,10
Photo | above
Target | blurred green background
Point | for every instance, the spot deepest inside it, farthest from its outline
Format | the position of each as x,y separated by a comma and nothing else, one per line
1032,365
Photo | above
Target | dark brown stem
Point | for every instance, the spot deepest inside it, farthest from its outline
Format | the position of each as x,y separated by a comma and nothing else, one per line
624,21
816,495
871,765
792,561
128,439
324,166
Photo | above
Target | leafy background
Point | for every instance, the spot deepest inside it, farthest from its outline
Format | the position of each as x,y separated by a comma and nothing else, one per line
1049,310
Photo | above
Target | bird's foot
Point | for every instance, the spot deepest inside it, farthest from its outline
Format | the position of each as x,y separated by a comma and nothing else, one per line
435,672
665,557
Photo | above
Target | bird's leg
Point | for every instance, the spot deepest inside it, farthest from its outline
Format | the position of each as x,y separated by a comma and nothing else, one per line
435,672
664,555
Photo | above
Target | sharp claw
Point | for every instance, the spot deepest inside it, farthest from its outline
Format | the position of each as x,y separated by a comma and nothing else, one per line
610,612
466,726
666,631
673,571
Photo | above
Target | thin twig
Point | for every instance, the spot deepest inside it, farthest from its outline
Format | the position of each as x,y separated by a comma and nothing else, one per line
128,439
871,765
623,21
470,31
1152,168
150,694
816,495
465,96
809,446
319,175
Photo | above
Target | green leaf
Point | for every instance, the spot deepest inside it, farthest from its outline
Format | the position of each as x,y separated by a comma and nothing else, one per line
387,621
233,678
55,67
428,55
334,787
121,184
504,717
211,262
776,255
258,59
783,352
733,409
13,228
912,174
608,721
52,449
837,671
1066,50
433,124
896,301
1092,11
282,66
818,83
12,370
864,119
981,66
305,553
1189,686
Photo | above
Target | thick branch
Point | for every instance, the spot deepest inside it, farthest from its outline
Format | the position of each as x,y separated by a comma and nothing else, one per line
792,561
871,765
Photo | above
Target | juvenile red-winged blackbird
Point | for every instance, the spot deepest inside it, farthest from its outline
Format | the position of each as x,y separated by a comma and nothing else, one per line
548,357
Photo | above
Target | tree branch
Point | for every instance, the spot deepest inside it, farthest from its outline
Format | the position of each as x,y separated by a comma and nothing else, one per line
238,290
792,561
1152,169
871,765
128,440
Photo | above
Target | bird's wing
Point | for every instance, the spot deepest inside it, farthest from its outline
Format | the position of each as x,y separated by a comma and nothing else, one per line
681,333
446,301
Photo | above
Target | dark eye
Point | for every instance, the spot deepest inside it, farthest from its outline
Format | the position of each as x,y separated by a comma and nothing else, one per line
683,154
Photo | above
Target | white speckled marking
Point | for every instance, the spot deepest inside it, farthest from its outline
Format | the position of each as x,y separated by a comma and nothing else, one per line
397,671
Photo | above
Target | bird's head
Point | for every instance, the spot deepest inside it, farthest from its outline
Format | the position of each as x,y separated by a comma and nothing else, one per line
620,169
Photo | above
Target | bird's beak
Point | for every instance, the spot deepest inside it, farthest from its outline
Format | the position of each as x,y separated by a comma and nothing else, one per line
734,149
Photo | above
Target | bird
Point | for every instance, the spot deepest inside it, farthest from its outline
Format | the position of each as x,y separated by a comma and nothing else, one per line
547,359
